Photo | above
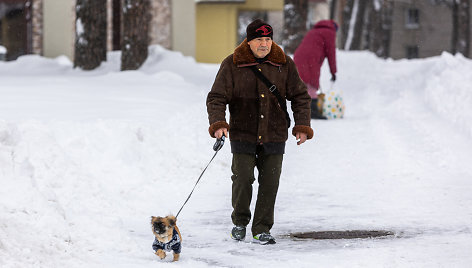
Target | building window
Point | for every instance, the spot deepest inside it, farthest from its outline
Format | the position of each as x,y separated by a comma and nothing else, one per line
412,18
412,52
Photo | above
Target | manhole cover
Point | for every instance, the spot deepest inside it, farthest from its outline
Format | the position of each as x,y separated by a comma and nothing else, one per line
342,234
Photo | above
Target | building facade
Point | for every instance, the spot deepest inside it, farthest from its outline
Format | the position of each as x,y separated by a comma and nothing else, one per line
420,29
417,28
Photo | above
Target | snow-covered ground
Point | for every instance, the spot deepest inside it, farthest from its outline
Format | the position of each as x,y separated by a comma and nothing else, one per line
87,157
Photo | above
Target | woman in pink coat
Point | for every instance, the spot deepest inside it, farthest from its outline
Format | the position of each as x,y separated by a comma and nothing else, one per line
319,43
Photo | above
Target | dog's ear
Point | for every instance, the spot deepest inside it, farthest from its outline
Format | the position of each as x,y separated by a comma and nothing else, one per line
172,220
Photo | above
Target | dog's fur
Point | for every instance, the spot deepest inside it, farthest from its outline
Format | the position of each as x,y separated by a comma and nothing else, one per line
163,229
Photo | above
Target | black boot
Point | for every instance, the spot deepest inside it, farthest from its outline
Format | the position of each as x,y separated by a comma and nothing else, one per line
315,113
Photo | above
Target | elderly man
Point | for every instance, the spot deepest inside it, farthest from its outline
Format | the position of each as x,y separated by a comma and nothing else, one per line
258,123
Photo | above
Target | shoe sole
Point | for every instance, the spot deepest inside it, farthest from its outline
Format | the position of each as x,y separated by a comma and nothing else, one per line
270,242
235,239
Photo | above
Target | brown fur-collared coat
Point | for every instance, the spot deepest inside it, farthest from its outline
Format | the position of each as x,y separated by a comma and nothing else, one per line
255,115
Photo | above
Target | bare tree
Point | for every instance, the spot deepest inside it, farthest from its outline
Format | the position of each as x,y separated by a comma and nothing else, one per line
135,38
295,24
91,34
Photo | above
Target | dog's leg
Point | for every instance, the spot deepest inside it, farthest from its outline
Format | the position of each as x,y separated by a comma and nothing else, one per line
161,253
176,257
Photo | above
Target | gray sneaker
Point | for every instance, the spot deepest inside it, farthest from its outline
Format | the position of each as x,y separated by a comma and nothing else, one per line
264,239
238,233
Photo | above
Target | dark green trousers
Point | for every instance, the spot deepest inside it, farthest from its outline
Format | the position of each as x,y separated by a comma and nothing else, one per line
269,168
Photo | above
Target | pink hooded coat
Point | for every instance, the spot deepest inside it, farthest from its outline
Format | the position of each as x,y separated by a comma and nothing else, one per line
319,43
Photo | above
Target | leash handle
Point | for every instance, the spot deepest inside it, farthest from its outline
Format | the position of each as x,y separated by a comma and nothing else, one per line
219,143
216,147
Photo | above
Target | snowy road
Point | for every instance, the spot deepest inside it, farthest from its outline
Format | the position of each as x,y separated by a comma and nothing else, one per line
87,158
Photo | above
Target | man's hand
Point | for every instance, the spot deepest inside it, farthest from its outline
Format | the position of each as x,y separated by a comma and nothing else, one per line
220,132
301,137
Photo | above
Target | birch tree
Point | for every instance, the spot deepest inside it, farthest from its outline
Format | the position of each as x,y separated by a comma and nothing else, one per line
90,34
135,37
295,24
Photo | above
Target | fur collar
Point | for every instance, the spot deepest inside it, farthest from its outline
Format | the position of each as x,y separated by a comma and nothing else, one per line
243,56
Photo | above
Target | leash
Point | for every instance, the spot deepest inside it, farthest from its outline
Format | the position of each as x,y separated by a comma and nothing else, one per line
216,147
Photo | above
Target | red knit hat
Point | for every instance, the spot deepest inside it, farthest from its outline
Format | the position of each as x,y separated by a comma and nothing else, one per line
258,28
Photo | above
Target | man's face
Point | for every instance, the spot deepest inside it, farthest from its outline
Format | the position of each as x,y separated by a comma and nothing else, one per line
260,46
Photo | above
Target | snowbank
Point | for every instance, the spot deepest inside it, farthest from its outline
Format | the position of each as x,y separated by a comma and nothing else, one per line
448,90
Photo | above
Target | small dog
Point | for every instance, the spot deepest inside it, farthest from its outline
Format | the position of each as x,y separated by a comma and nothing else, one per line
167,236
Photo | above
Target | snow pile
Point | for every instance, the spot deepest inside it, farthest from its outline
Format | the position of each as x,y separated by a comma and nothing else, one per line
446,91
439,82
87,157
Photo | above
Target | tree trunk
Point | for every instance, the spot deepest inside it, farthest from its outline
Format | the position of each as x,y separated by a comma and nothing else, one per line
356,21
379,27
346,18
91,34
455,28
387,24
367,26
461,27
295,24
135,38
332,9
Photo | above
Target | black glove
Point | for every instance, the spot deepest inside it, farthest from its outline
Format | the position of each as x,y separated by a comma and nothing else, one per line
333,77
